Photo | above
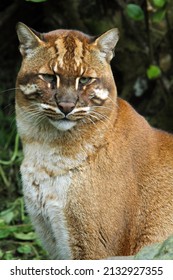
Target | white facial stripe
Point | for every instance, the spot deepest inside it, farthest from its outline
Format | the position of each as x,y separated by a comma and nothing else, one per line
101,93
45,106
77,83
57,81
29,88
41,77
55,68
81,70
84,109
49,107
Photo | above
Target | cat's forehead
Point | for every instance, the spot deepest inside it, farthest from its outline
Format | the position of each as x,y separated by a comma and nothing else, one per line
72,50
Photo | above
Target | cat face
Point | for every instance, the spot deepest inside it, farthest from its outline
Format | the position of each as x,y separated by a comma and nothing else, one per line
65,76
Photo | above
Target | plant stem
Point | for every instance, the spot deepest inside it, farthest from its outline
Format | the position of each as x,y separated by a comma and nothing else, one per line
16,148
147,23
4,178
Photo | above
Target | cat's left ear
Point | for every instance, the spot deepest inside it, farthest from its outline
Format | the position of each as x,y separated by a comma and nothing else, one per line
28,38
107,42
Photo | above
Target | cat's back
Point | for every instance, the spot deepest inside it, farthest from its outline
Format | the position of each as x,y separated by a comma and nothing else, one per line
135,129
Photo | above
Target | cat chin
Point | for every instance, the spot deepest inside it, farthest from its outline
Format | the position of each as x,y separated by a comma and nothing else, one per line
63,125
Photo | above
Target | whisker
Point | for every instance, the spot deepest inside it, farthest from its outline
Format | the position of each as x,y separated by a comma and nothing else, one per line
32,105
10,89
9,109
99,115
31,115
35,119
102,107
92,122
89,119
40,119
113,101
100,120
85,153
12,122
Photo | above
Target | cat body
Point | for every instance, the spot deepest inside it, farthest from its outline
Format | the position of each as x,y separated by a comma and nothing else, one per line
97,178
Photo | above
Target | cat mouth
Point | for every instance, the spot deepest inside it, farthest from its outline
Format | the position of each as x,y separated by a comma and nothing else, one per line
62,119
63,124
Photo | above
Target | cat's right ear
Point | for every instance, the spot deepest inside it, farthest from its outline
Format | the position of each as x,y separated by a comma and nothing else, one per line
107,42
28,38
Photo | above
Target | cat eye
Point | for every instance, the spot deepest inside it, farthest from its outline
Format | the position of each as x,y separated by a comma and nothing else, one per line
48,78
85,80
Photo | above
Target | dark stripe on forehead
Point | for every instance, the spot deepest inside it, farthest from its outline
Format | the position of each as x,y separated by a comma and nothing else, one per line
70,46
70,53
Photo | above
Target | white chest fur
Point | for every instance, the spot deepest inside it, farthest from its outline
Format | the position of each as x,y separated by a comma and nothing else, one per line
47,178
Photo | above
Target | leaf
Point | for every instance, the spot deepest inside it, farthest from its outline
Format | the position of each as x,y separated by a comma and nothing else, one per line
153,72
25,236
7,216
134,12
24,249
159,3
2,223
9,255
159,16
4,233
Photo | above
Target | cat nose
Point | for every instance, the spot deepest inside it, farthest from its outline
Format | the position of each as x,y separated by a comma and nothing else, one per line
66,107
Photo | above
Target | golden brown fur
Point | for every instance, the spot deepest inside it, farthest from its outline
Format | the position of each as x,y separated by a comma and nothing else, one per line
99,183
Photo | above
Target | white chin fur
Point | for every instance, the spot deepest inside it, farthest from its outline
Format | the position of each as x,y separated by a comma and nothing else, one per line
63,125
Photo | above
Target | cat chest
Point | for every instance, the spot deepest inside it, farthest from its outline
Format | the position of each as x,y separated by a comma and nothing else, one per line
47,177
44,192
46,197
49,183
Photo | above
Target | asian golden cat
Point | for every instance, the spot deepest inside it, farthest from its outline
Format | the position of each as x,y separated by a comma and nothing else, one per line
97,178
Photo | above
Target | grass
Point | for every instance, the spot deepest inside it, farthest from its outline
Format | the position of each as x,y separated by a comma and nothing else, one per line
17,237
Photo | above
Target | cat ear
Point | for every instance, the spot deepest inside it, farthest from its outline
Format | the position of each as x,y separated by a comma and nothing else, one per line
29,39
107,42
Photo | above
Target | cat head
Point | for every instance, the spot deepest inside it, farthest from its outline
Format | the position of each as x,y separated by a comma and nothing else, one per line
65,77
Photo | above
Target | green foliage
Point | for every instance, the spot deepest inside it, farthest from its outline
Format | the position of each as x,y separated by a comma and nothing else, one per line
157,11
135,12
155,20
24,249
17,237
15,158
15,153
159,3
25,236
159,15
153,72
